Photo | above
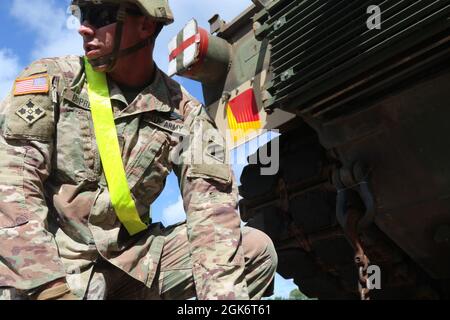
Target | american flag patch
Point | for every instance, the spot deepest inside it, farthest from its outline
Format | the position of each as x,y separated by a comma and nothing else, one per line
36,84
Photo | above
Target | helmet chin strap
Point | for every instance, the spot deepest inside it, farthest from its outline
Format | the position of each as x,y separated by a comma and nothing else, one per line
110,60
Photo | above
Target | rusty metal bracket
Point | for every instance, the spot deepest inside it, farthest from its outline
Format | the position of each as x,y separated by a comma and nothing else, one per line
356,179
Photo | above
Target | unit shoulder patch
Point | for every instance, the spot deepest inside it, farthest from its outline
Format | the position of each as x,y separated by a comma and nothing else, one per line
29,117
30,112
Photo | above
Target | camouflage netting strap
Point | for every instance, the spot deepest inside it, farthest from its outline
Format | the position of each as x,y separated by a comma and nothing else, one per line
110,155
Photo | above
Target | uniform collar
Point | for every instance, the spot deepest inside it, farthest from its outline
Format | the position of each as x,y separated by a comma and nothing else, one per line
116,93
155,97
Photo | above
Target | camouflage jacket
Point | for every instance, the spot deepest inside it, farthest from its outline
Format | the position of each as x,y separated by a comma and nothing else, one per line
56,217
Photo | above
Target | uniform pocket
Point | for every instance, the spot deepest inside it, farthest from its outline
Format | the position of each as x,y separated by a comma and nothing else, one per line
144,158
12,199
218,172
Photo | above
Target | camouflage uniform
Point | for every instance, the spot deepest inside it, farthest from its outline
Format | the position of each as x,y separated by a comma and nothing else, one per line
56,217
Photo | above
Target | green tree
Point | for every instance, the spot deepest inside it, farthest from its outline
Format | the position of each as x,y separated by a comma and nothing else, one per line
297,295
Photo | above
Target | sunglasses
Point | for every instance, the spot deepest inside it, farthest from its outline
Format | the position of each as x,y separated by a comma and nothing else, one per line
102,15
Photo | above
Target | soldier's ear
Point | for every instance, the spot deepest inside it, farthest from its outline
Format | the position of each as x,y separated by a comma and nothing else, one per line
148,28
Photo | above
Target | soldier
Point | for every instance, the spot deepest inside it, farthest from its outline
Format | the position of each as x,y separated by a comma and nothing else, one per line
86,145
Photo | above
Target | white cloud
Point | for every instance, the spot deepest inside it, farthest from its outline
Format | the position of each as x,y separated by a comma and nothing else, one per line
9,69
173,213
49,21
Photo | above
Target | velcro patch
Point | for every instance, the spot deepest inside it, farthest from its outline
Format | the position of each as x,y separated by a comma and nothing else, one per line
216,151
29,117
31,85
173,126
30,112
81,100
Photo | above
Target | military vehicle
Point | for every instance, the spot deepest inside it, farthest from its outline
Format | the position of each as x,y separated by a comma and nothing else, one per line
360,93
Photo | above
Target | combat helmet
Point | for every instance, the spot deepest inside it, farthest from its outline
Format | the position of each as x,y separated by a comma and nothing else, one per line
158,10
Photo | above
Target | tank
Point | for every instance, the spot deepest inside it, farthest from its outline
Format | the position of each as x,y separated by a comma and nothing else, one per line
359,92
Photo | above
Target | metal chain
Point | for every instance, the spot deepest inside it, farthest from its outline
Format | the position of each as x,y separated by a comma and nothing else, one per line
362,262
360,259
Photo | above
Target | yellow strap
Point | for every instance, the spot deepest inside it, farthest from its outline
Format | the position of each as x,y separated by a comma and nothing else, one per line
108,146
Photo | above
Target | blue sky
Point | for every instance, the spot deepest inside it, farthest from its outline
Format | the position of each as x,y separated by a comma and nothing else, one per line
33,29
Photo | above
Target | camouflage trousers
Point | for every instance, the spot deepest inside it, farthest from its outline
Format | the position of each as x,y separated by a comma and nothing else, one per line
174,279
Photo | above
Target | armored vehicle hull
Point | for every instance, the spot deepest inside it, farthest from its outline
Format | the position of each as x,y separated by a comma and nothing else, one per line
359,91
